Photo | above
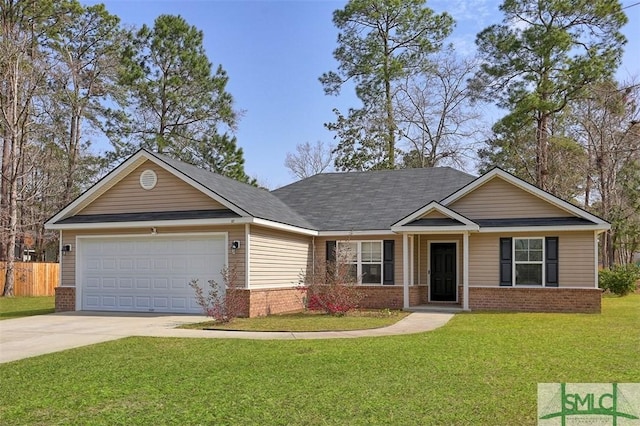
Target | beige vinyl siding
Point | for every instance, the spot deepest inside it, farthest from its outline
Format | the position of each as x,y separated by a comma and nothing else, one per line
169,194
422,261
575,258
236,261
277,258
499,199
321,251
433,214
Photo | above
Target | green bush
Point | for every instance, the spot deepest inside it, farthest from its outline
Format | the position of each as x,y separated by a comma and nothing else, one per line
621,279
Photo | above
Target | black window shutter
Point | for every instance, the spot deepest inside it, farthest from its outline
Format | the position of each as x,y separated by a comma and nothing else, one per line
551,261
505,262
331,251
387,260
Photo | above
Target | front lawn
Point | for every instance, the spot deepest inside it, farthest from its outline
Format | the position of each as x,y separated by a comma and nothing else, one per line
15,307
480,369
308,321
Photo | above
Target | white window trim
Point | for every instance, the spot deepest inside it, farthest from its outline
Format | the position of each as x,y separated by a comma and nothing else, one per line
359,262
542,263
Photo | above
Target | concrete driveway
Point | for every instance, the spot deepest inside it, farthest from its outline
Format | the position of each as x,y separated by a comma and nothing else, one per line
37,335
42,334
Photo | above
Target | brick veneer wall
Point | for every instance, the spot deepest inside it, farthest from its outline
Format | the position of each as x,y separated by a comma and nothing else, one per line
274,301
535,299
281,300
65,299
392,296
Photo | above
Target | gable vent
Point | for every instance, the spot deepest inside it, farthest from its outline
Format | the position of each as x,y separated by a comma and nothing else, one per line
148,179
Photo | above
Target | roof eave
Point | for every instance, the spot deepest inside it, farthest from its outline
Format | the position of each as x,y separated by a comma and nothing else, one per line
434,229
548,228
147,224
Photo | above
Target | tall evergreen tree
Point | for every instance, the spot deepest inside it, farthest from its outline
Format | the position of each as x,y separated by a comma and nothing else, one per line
177,105
380,42
542,56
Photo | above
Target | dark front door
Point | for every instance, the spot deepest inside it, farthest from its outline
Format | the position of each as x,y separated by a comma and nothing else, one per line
443,272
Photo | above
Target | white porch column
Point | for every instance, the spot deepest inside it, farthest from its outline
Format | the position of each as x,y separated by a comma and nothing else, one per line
405,269
465,270
412,263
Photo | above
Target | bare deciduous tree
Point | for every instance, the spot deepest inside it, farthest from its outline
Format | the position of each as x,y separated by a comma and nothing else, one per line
309,159
607,127
435,114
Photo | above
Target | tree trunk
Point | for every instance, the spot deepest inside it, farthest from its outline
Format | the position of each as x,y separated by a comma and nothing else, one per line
542,150
4,194
391,126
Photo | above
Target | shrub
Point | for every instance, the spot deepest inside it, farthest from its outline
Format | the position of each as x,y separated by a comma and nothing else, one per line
331,287
222,304
621,279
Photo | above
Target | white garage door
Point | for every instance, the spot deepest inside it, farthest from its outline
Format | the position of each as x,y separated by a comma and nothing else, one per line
147,274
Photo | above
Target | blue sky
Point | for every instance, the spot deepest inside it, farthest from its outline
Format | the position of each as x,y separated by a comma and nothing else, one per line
274,51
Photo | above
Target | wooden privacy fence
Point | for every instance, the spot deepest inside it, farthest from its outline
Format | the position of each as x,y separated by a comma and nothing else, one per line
32,278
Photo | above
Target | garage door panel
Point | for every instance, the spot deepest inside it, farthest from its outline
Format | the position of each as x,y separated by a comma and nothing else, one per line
143,283
180,304
161,284
125,302
149,274
125,283
143,302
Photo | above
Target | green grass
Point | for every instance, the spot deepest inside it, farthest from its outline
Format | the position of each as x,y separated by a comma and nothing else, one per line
305,321
15,307
480,369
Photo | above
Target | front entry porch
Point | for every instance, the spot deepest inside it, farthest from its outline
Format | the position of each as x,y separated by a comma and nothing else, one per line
435,271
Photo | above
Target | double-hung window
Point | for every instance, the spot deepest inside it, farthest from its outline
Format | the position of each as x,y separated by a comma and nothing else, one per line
364,258
528,261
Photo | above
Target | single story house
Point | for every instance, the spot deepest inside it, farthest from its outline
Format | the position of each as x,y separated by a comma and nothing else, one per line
135,240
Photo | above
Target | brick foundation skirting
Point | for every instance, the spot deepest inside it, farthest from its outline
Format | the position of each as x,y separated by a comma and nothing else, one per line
261,302
274,301
584,300
65,299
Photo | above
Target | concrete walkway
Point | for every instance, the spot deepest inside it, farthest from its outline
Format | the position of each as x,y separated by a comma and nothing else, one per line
37,335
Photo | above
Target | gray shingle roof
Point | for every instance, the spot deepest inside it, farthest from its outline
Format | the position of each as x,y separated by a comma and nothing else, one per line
254,201
373,200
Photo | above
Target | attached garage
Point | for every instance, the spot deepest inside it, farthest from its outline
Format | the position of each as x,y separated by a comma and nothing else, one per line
149,273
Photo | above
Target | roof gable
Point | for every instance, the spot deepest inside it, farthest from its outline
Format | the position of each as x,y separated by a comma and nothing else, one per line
434,217
170,193
239,198
500,195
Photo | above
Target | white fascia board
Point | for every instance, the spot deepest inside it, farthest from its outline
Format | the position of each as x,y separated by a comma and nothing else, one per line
149,224
556,228
283,227
113,177
526,186
355,233
182,222
433,229
433,205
